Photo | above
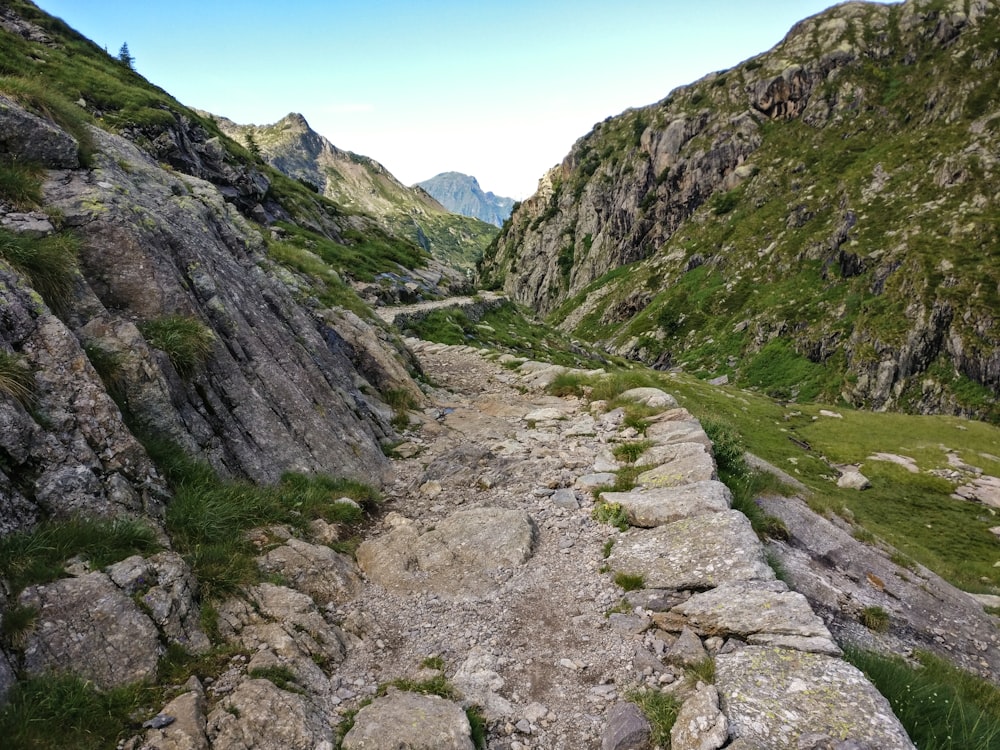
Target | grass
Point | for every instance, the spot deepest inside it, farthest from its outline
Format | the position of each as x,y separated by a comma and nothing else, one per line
39,555
209,517
629,581
612,514
661,710
703,670
875,618
48,262
68,712
940,706
185,340
21,184
16,378
281,677
629,451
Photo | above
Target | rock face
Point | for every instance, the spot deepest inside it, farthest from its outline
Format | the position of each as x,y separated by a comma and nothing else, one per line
420,722
461,194
733,231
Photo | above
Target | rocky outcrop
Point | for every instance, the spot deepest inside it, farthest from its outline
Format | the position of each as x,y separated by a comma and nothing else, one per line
401,719
35,140
775,207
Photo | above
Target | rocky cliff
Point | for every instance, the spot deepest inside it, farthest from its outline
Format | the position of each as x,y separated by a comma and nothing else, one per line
461,193
359,183
815,221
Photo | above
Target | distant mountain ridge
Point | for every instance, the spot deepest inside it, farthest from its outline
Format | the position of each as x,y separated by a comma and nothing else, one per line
360,183
461,194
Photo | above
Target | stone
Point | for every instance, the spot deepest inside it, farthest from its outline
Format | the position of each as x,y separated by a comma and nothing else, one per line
591,481
649,507
851,478
815,693
408,720
686,463
984,489
565,498
8,678
479,683
700,552
654,398
187,730
457,557
746,609
687,650
627,728
546,414
88,626
30,138
166,587
700,725
669,431
259,715
314,569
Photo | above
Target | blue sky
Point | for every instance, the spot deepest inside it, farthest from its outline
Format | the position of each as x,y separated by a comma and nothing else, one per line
497,90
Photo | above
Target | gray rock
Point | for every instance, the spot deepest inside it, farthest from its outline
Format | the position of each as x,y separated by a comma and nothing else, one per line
479,683
746,609
186,731
654,398
687,650
700,725
815,693
592,481
683,463
459,556
412,721
675,429
167,588
545,414
565,498
30,138
259,716
314,569
699,552
627,728
86,625
8,678
851,478
662,505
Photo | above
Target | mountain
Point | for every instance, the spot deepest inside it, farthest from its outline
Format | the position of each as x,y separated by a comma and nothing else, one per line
359,183
461,194
818,221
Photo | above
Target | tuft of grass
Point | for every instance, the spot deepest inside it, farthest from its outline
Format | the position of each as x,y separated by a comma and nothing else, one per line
630,581
661,709
68,712
21,184
437,685
567,384
16,622
39,556
16,379
48,262
941,706
630,451
185,340
703,670
433,662
606,549
477,725
280,676
610,513
875,618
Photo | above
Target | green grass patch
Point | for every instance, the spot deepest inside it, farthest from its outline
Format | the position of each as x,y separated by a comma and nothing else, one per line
940,706
21,184
40,555
185,340
661,709
629,581
631,450
612,514
48,262
875,618
280,676
703,670
68,712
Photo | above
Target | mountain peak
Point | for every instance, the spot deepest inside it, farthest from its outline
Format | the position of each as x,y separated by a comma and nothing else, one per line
462,194
294,120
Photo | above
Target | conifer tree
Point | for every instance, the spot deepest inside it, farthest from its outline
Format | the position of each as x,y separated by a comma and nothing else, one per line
125,57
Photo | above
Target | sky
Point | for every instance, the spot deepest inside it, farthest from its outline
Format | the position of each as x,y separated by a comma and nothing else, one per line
496,90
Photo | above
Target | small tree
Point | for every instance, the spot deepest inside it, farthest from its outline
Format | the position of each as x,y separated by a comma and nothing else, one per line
125,57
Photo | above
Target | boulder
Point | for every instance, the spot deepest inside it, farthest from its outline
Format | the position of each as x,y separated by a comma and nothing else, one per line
852,479
314,569
751,610
89,627
700,725
29,138
667,431
460,556
687,650
699,552
408,720
627,728
774,696
257,715
186,730
683,463
654,398
662,505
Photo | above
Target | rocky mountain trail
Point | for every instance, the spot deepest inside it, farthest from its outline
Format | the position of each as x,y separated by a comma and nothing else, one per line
489,582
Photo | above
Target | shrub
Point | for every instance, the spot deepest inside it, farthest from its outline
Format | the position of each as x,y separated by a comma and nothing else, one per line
185,340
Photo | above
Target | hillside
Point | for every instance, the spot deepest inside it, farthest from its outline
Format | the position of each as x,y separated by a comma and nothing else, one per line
461,194
819,221
359,183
